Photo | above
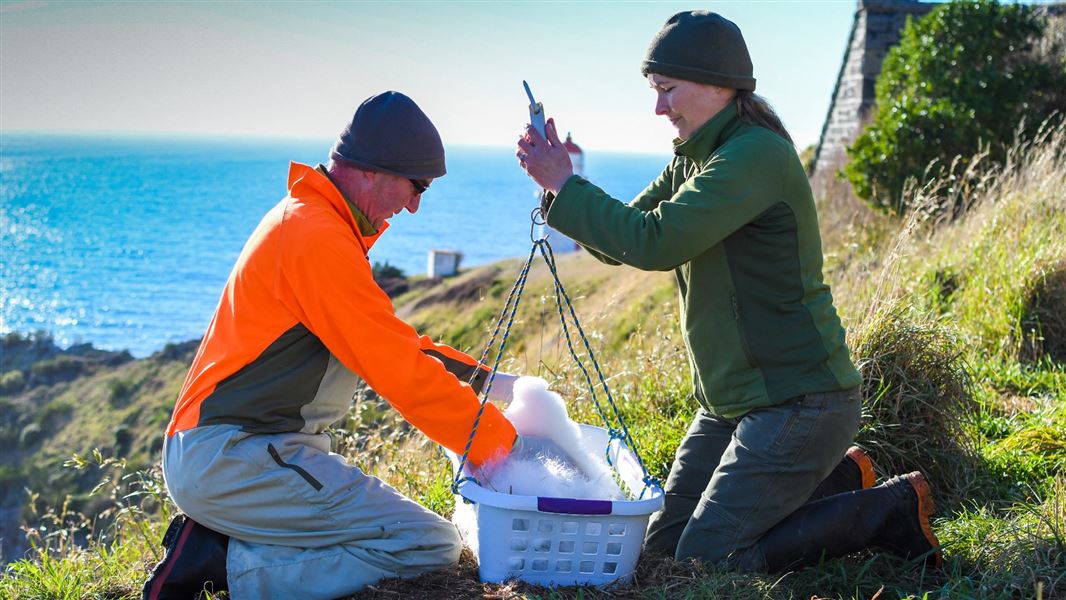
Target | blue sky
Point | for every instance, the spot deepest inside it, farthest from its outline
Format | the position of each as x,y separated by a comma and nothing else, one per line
300,69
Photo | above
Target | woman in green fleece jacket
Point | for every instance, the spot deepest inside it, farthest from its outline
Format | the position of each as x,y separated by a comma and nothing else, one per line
758,483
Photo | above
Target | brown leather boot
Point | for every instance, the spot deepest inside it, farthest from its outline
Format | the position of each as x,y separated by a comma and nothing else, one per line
893,516
855,472
195,559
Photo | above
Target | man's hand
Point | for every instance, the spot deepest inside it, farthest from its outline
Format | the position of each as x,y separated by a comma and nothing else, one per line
502,388
545,160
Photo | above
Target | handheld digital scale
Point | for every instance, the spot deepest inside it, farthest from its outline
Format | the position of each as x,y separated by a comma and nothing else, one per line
536,112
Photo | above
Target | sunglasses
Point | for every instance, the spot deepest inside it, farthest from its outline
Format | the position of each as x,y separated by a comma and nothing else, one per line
421,185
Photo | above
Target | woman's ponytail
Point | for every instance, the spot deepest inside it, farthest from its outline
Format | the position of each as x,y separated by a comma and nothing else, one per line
754,109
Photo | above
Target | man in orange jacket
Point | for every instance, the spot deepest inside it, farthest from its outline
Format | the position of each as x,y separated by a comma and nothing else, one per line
269,510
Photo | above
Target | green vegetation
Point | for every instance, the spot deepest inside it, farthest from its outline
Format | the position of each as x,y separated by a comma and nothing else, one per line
954,324
117,406
12,382
957,321
386,270
960,81
125,531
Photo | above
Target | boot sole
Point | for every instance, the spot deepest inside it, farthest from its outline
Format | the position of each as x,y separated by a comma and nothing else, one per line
926,509
866,466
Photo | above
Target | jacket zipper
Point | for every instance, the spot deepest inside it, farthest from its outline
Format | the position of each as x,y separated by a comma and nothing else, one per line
740,331
299,470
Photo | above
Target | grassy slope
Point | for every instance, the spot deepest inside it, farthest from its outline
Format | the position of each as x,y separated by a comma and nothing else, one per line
962,380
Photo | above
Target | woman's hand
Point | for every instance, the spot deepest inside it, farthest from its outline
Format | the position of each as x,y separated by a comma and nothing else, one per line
546,161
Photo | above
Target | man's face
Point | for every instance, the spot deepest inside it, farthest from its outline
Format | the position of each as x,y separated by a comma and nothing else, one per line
688,105
389,195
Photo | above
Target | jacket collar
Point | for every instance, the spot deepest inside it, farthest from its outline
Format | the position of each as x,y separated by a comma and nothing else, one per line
710,136
305,180
365,227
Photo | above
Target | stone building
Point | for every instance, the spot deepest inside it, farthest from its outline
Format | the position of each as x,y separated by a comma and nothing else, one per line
875,29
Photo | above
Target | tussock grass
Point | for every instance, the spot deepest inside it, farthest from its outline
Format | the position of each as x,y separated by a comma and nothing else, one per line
1043,325
919,404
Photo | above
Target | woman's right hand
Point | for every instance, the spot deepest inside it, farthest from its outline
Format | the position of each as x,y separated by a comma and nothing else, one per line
546,161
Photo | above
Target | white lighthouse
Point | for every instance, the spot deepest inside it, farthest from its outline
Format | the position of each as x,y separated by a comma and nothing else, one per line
559,242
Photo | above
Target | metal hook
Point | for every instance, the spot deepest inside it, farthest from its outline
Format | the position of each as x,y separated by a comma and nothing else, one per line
536,217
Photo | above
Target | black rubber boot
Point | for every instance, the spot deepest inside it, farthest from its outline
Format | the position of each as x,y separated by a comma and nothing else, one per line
855,472
893,516
195,559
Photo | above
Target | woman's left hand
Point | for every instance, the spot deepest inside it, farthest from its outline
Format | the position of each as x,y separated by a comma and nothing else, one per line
546,161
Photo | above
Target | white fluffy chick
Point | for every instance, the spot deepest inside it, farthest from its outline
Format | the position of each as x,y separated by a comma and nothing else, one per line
539,412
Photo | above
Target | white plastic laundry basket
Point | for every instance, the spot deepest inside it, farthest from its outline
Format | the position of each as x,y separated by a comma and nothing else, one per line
564,541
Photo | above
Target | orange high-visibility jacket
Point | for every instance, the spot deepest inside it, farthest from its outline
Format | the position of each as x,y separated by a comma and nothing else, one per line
301,321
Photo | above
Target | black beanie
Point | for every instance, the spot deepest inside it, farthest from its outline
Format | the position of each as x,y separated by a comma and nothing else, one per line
701,46
390,134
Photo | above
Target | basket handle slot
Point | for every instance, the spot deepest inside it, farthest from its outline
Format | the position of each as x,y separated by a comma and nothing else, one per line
574,506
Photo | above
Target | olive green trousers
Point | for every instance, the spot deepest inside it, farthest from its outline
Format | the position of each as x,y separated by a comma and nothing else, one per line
734,479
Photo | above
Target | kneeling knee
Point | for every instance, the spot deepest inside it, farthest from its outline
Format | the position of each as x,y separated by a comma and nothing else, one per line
748,559
438,545
449,543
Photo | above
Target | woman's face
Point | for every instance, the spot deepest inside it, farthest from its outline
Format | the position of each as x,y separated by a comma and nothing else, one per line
687,104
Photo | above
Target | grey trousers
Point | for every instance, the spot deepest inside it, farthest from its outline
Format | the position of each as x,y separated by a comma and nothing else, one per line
303,522
734,479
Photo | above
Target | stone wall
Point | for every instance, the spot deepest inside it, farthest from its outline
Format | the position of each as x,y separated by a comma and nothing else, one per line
875,29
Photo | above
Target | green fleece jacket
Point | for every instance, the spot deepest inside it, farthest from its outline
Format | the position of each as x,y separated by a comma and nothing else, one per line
732,215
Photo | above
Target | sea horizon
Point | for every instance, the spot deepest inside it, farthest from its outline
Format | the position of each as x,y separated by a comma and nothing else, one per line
125,241
326,141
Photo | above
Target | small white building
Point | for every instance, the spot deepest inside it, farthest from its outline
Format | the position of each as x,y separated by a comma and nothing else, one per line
560,243
443,263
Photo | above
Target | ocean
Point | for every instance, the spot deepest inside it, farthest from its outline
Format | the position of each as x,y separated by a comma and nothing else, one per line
126,242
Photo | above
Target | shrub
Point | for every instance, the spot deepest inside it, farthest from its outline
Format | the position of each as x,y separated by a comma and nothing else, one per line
387,271
52,412
961,79
119,391
12,382
56,370
123,440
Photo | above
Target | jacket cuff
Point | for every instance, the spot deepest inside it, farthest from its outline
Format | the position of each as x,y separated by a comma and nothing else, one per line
550,200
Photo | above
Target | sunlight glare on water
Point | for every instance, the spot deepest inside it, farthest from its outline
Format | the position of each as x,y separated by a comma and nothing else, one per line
127,242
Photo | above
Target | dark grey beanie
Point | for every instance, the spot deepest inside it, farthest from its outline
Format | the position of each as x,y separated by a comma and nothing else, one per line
701,46
389,133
